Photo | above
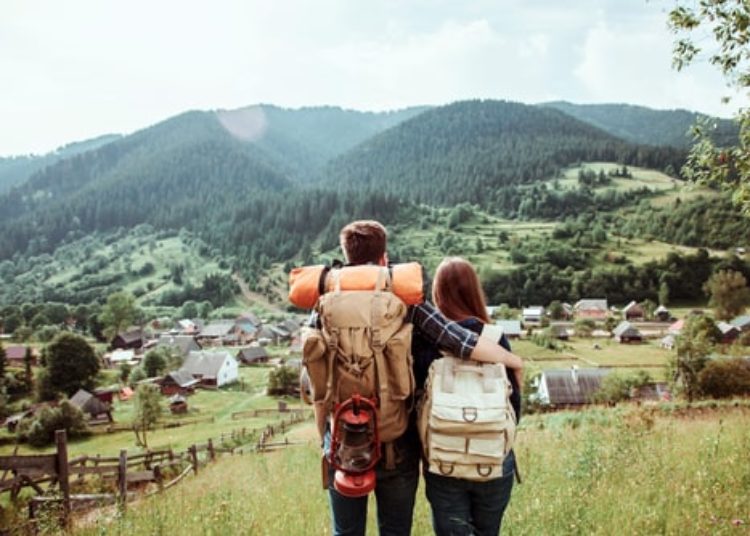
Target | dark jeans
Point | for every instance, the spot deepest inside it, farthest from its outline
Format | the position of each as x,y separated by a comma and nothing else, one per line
395,491
464,507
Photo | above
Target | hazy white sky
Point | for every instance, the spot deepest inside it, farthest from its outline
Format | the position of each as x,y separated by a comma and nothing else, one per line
74,69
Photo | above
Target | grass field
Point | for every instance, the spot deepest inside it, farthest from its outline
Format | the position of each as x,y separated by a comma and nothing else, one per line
219,404
600,472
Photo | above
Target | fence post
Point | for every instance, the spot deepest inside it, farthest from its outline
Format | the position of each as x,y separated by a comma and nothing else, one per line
122,479
211,452
63,474
193,458
159,477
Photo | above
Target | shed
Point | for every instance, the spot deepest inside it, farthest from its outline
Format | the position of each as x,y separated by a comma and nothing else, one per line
511,328
212,368
559,332
254,355
625,332
250,317
91,406
633,311
668,342
569,387
178,404
12,422
676,327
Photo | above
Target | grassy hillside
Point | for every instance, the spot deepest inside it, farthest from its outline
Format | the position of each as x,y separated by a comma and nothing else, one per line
625,470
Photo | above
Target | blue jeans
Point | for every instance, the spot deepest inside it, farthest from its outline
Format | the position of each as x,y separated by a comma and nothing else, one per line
465,507
395,492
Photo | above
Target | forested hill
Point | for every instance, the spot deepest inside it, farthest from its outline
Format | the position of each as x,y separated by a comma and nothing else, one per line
15,170
638,124
302,140
181,172
472,150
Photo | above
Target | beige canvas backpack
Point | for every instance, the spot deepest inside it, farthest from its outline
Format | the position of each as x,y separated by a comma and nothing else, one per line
363,346
466,421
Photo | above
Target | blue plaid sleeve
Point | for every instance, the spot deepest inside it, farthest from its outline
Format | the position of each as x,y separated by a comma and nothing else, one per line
443,333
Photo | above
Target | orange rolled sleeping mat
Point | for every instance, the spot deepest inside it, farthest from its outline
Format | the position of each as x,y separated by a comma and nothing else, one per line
304,282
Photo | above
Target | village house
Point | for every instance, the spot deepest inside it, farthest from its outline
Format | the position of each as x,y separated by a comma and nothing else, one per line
250,317
595,309
116,358
132,339
625,332
742,323
559,332
511,328
729,332
96,411
533,314
187,327
668,342
254,355
178,382
633,311
181,344
569,387
676,327
213,369
662,314
15,356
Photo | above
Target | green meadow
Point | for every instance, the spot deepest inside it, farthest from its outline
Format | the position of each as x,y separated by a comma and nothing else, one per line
625,470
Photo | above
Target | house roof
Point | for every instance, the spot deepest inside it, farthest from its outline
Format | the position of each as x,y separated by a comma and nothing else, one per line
661,309
119,356
589,304
131,336
88,403
741,321
280,331
16,352
510,327
254,352
626,328
633,305
246,326
535,310
181,378
177,399
677,326
205,364
184,343
725,328
290,325
251,317
669,340
573,386
218,329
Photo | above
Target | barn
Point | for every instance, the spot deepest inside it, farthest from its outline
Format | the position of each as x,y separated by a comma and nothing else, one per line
625,332
569,387
212,368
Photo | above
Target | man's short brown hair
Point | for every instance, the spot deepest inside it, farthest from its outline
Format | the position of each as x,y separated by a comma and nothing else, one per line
363,241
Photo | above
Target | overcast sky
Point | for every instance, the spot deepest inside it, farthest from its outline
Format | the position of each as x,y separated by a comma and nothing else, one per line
75,69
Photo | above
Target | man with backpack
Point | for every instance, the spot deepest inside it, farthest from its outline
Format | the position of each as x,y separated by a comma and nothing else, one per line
361,344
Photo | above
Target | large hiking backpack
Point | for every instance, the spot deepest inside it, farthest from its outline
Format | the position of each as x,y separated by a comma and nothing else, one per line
466,421
362,347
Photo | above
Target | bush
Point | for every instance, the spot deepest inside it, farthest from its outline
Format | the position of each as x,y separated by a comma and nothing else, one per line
725,378
283,380
40,432
617,387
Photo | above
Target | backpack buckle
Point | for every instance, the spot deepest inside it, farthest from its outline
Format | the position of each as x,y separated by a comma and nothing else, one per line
484,473
445,472
470,414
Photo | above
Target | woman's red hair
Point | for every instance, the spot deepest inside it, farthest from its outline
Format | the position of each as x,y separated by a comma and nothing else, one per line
456,291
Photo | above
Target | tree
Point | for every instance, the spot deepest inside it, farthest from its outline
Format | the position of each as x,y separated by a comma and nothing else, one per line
3,361
147,411
71,364
28,359
664,293
556,310
729,294
694,344
156,361
41,430
722,27
724,378
283,380
118,313
584,327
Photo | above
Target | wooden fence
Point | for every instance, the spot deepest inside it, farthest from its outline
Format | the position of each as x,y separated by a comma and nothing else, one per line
52,475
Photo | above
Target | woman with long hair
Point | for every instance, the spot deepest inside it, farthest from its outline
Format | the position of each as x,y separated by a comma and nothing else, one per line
459,506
